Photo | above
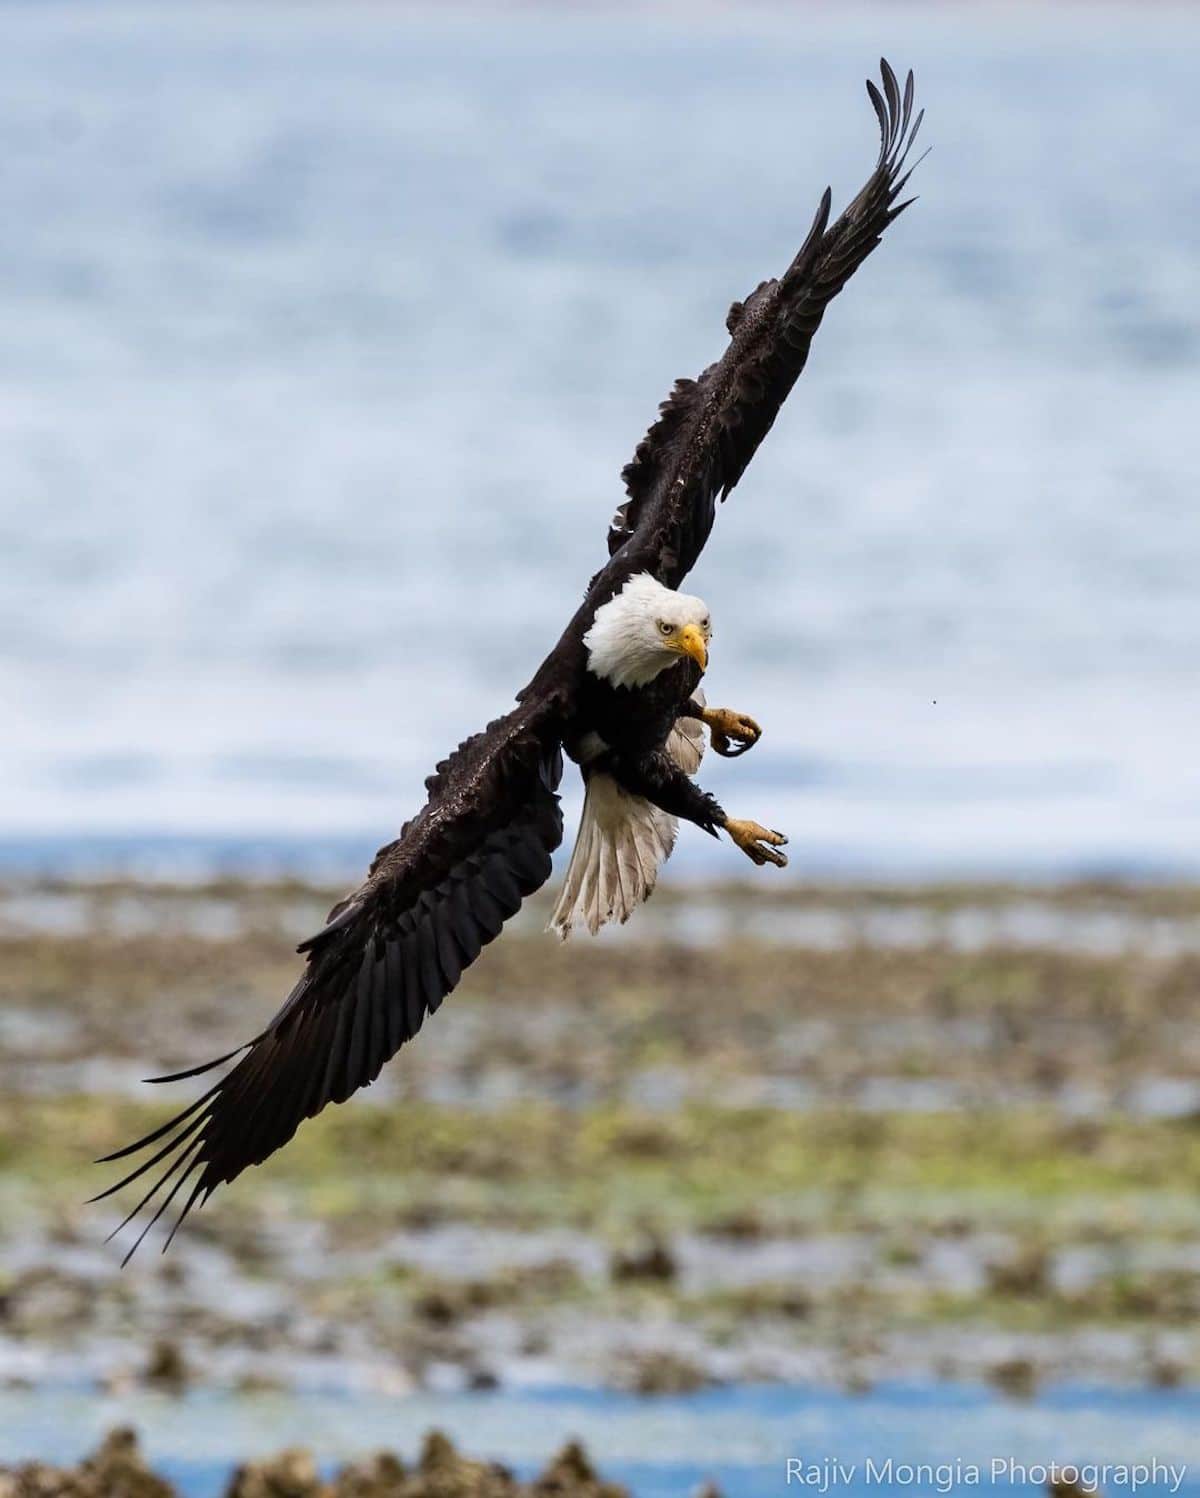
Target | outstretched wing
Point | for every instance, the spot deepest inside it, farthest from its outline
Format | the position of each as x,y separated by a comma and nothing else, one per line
709,429
387,957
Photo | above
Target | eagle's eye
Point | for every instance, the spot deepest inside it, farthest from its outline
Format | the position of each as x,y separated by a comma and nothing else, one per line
665,627
704,625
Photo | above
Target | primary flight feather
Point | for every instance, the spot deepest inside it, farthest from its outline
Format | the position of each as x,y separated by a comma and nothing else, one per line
619,694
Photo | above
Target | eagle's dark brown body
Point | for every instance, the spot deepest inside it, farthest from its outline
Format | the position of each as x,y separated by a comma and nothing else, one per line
630,720
393,949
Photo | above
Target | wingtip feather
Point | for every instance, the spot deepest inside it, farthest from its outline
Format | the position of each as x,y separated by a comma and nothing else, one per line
892,90
877,104
198,1071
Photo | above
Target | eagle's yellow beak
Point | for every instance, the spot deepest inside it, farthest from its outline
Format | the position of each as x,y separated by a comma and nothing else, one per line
690,641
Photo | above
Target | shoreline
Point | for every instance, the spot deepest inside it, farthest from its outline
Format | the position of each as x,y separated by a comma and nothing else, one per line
830,1136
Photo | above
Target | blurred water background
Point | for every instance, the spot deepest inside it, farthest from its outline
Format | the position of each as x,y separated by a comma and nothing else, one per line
327,330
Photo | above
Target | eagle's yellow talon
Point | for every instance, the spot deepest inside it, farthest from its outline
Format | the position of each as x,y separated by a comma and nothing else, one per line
758,843
729,729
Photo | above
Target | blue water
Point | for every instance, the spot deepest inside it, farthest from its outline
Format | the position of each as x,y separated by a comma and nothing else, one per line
662,1448
328,328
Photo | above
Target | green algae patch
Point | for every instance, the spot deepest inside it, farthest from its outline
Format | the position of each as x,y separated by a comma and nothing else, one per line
536,1164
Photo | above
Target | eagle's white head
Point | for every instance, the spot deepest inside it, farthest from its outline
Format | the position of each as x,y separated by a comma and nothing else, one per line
645,629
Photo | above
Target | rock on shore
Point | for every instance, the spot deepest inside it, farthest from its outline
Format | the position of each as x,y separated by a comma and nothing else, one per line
117,1469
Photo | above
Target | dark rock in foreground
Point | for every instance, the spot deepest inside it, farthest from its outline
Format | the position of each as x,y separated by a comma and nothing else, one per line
115,1470
118,1470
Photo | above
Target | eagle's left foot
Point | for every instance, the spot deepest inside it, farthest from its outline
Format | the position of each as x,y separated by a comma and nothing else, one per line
757,843
732,733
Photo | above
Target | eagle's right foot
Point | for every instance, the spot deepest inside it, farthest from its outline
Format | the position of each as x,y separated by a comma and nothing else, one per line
757,843
731,733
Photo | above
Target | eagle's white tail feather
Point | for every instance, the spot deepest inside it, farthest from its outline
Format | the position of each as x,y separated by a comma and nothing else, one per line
621,843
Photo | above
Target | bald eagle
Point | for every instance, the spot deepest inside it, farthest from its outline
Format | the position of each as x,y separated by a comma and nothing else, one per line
619,694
